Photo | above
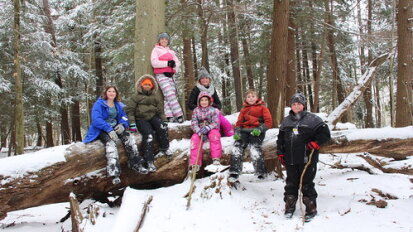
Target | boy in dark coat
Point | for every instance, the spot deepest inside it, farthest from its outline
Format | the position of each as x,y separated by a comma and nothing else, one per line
146,114
301,134
253,121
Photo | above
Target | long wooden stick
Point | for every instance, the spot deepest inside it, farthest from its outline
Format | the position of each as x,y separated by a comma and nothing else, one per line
143,213
191,188
300,194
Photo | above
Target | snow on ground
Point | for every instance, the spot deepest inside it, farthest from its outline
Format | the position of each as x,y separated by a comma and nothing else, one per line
343,194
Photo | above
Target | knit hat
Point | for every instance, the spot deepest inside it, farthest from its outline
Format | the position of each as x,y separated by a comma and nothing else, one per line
298,97
164,35
147,81
203,73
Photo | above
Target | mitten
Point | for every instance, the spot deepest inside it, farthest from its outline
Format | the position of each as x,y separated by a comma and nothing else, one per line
171,63
113,136
119,129
132,127
237,137
280,158
256,132
313,145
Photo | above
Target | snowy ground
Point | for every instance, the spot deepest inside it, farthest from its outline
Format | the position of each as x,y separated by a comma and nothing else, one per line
342,204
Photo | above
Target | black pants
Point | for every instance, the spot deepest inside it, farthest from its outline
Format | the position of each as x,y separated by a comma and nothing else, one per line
293,180
255,143
147,129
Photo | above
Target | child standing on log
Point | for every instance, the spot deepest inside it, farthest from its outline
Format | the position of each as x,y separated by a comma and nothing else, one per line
253,121
165,64
145,113
300,136
205,123
108,124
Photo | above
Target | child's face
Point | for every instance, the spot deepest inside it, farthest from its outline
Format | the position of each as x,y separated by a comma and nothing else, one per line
205,81
297,107
204,102
251,99
163,42
146,87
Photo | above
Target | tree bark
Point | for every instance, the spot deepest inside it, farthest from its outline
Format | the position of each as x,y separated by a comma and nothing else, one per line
404,99
203,22
291,85
49,128
19,114
248,64
277,71
146,32
234,51
75,115
39,134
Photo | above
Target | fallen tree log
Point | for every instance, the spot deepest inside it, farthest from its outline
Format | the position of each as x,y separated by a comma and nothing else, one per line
83,169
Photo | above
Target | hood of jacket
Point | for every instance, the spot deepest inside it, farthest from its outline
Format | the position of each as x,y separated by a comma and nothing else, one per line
205,94
138,86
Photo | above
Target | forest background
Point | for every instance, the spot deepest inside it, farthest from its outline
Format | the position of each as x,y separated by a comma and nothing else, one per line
56,56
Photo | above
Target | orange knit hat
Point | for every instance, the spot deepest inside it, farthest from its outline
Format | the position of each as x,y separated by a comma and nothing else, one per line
147,81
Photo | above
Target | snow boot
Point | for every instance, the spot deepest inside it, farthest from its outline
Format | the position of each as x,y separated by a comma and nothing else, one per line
216,161
151,167
290,202
170,119
180,119
310,209
139,168
167,153
115,180
233,177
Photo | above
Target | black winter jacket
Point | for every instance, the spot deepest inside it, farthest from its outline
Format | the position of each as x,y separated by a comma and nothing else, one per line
193,98
296,132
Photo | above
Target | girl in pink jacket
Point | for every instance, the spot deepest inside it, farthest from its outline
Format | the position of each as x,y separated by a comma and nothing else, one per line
165,64
205,123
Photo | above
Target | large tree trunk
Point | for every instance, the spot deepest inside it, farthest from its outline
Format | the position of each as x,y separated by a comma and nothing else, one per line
404,95
49,128
277,71
39,134
291,82
248,64
146,31
234,51
83,170
19,115
75,115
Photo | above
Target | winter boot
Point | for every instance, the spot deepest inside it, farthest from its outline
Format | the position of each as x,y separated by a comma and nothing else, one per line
151,167
310,208
233,177
216,161
139,168
180,119
170,119
115,180
261,176
290,202
164,153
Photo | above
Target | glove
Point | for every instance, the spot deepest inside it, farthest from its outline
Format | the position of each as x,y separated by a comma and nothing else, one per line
204,130
256,132
119,129
313,145
237,137
171,63
113,136
281,159
204,138
132,127
168,74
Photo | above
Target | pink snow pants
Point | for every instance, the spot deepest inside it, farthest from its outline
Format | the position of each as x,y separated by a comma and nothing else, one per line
214,137
171,104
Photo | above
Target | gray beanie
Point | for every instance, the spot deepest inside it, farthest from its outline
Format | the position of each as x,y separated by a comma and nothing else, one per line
298,97
164,35
203,73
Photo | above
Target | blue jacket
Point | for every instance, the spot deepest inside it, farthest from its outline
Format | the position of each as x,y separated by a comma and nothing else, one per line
100,112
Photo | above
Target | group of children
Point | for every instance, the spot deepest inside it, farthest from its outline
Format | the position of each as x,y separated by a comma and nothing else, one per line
300,132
